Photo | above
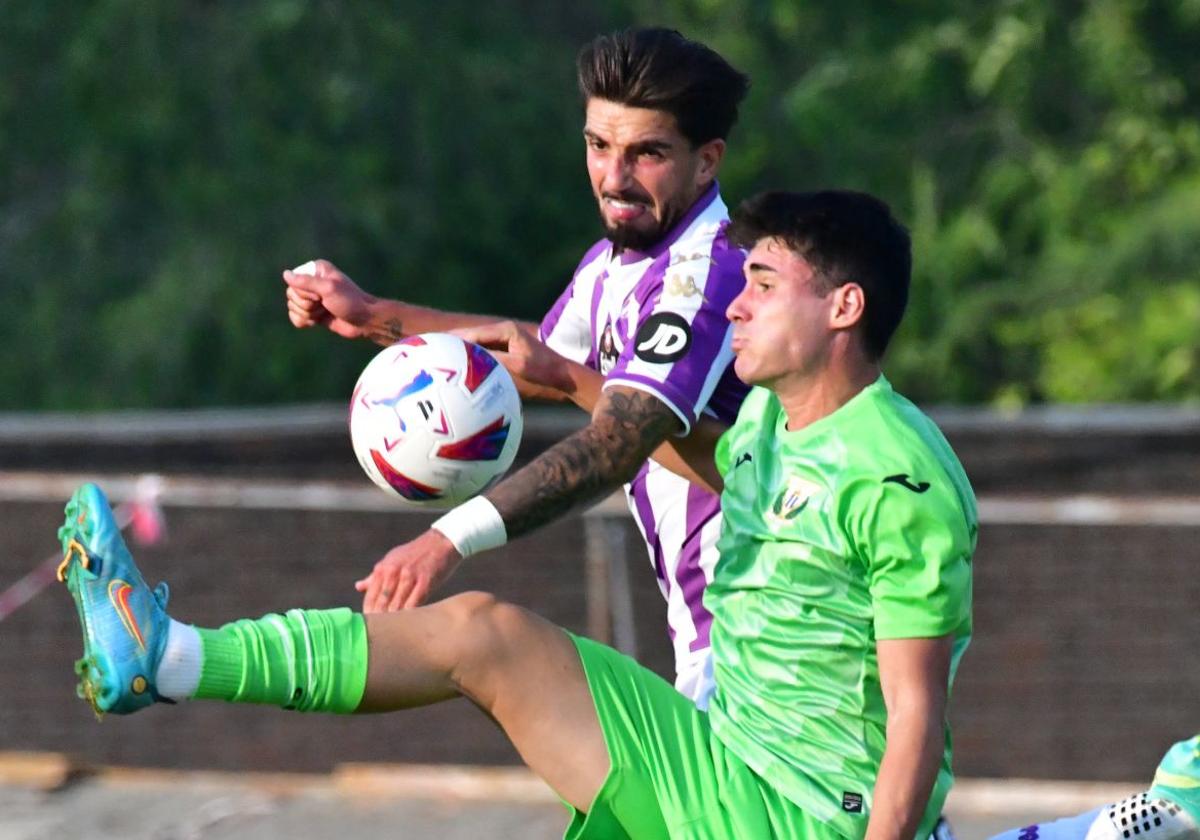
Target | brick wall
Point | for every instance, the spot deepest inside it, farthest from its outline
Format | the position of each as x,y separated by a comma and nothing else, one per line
1083,663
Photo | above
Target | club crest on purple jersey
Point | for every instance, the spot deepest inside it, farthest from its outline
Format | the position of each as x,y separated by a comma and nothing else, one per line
608,353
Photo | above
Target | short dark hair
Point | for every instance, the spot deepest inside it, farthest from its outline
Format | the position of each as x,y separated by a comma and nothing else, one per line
847,237
664,71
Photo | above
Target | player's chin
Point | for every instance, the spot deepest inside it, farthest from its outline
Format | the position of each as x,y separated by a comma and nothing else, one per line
641,233
746,369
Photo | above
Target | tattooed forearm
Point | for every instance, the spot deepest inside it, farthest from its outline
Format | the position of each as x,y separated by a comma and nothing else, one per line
628,425
388,333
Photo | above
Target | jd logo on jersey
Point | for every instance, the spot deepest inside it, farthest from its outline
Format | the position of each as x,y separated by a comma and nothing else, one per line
663,337
792,500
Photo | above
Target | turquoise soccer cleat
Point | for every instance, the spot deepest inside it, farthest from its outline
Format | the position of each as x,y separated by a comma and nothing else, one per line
124,622
1178,777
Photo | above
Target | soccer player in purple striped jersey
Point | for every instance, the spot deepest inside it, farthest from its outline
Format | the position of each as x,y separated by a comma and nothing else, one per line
651,321
643,316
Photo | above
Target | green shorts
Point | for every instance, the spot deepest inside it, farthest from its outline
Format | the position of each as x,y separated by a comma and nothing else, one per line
670,777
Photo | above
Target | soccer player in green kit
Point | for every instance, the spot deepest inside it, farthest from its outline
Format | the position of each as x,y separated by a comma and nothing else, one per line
841,600
844,582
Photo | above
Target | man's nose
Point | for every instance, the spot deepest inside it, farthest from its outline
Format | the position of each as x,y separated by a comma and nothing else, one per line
617,173
736,311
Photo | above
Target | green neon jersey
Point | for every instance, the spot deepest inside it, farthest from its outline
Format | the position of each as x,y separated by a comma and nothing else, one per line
858,527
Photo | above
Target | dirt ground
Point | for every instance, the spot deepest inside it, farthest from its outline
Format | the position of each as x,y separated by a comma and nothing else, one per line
398,802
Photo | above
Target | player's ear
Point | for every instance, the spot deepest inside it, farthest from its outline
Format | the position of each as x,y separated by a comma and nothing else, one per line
847,306
711,154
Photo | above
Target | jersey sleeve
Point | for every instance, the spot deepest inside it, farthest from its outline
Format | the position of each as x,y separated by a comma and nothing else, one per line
755,414
567,327
721,454
680,348
917,546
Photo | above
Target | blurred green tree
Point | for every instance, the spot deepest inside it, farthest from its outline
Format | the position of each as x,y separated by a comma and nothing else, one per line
1046,157
165,160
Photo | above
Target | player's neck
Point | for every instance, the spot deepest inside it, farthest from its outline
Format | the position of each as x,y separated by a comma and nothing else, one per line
807,399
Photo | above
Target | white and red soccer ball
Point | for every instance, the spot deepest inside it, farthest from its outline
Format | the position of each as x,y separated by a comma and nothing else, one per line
435,420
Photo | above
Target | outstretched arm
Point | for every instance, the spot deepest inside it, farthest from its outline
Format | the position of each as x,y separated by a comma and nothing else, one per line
531,361
327,296
691,456
626,427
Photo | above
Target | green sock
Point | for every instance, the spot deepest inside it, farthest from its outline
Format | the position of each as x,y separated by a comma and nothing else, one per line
307,660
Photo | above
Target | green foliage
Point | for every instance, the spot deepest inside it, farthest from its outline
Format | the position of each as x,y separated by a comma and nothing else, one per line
165,160
1046,157
173,158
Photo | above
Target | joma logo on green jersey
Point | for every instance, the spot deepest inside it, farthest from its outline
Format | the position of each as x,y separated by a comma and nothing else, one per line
902,480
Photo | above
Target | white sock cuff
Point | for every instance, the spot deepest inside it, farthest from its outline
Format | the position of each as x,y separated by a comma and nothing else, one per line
178,674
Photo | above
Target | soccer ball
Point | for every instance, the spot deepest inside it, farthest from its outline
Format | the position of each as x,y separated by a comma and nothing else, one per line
435,420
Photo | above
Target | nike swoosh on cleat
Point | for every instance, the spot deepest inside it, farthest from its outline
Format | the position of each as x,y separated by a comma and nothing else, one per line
119,592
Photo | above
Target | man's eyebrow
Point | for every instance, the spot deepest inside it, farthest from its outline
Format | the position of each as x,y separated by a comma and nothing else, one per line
652,145
756,267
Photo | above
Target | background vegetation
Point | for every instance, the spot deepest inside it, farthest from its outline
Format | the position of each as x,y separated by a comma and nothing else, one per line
164,160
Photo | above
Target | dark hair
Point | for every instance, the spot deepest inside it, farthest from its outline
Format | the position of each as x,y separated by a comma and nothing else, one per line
664,71
847,237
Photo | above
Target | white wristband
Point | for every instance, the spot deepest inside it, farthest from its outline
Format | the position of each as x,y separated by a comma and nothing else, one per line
473,526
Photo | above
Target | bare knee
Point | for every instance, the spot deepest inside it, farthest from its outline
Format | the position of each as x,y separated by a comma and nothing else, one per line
482,621
469,613
491,636
464,619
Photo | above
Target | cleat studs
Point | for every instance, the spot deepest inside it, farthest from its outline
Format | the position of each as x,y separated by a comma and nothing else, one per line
138,686
88,690
89,687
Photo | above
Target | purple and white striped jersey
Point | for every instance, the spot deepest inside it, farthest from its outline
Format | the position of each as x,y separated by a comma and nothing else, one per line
655,321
